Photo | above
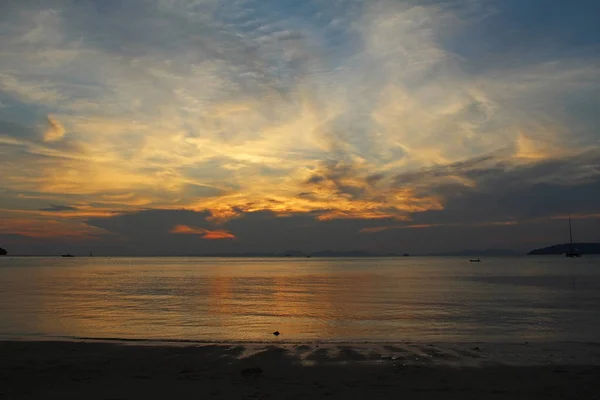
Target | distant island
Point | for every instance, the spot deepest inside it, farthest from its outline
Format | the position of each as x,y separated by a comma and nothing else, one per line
584,248
478,253
298,253
3,252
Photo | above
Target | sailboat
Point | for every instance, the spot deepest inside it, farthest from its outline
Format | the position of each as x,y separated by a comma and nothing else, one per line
572,252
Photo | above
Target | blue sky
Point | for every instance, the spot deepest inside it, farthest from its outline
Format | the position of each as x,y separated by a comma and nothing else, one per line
375,118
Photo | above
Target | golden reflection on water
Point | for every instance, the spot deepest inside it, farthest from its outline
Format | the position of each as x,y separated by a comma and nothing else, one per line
204,299
289,303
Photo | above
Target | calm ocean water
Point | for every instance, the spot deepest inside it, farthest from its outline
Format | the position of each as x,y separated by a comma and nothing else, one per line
375,299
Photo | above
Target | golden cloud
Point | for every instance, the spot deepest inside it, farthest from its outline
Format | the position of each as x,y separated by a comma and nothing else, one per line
205,233
55,131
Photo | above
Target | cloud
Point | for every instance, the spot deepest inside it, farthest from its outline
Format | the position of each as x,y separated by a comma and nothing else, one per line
55,130
205,233
425,233
58,208
489,190
388,111
48,228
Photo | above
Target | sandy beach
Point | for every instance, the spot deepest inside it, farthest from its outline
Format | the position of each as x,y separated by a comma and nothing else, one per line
150,370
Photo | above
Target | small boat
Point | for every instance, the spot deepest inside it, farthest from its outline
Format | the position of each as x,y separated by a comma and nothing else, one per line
573,252
405,255
67,255
475,260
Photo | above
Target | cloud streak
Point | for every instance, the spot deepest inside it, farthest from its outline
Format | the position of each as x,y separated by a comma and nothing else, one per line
59,208
55,130
204,233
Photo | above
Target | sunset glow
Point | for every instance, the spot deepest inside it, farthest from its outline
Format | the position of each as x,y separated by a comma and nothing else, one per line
351,117
204,233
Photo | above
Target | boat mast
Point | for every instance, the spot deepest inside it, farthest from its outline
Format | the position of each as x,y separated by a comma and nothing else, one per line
570,232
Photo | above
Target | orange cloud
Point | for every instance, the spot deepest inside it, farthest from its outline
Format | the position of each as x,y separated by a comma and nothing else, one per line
218,234
55,130
325,203
51,228
205,233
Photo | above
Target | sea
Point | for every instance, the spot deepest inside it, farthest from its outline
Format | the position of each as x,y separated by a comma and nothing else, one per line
433,299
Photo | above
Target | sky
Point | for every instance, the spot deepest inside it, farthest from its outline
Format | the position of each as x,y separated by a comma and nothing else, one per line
181,127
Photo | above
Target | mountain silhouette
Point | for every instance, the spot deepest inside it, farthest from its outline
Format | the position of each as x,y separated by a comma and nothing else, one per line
299,253
584,248
478,252
3,252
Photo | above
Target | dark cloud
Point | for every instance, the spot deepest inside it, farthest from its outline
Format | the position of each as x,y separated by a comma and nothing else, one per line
467,168
197,191
150,222
374,178
488,188
499,191
342,177
30,139
466,223
315,179
493,170
58,208
147,232
355,192
504,205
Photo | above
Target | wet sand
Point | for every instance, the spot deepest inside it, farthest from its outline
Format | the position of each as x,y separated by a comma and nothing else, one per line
140,370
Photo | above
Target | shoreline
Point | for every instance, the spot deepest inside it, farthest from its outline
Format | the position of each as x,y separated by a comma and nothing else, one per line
149,370
280,341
